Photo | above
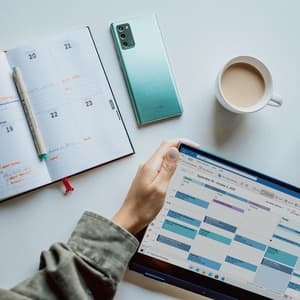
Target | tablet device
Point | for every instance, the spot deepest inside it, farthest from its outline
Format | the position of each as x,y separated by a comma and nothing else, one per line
225,231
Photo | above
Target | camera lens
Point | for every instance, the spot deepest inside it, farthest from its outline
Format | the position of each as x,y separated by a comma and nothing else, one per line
125,44
123,36
121,28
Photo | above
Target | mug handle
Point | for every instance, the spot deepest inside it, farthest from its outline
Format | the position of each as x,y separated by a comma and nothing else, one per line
275,101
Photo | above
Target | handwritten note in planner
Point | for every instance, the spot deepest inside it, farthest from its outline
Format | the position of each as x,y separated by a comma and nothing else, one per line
20,167
73,102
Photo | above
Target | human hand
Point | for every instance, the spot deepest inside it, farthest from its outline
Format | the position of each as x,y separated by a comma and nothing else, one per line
148,189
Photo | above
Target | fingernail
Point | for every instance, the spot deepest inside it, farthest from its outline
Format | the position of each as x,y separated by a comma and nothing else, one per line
172,154
189,142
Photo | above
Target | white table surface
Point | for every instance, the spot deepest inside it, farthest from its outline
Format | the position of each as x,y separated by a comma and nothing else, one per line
200,37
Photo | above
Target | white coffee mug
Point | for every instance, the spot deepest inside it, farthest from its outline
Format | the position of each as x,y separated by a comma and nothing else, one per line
268,97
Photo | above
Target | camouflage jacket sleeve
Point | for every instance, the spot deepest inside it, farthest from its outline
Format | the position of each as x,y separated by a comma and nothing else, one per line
88,266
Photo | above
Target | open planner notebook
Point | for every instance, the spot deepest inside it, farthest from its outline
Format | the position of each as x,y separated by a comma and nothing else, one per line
74,107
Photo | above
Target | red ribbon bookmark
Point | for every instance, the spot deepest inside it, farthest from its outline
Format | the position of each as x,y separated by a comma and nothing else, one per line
67,185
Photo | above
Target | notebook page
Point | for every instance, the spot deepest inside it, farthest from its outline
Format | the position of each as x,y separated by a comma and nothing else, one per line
73,102
20,168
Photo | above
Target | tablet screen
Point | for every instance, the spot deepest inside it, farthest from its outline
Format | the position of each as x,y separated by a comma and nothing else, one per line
223,222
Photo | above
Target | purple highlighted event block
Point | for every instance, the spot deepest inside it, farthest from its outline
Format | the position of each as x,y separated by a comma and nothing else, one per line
259,205
229,205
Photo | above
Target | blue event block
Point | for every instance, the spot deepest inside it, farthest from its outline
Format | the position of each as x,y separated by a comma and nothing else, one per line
281,256
240,263
173,243
204,261
294,286
296,274
191,199
250,242
237,197
179,229
183,218
286,240
194,181
214,236
215,189
288,229
220,224
276,266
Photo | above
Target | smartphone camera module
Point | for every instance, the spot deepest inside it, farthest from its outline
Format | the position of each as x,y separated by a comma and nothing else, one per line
120,28
125,36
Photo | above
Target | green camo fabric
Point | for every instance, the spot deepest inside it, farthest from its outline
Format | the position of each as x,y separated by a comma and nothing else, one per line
89,266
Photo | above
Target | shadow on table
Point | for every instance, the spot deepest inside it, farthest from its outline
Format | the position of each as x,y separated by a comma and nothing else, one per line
21,200
17,201
160,287
226,124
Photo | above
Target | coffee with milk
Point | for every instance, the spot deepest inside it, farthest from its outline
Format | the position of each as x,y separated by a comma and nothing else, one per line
242,85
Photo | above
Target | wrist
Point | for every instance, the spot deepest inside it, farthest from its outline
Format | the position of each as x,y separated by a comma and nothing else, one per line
127,221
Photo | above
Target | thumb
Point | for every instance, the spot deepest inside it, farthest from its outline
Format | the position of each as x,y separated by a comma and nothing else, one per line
167,169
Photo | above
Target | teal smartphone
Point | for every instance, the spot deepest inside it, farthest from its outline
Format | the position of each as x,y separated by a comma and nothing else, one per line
146,69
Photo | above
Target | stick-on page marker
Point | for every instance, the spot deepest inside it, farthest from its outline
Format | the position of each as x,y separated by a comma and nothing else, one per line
68,187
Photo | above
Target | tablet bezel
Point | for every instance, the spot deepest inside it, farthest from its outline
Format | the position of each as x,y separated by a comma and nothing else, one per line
191,280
